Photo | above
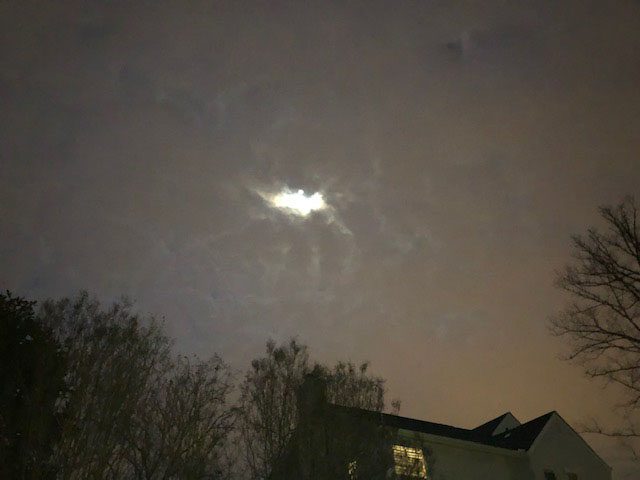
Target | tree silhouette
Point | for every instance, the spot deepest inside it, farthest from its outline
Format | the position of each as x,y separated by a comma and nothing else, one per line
32,371
602,322
312,422
134,409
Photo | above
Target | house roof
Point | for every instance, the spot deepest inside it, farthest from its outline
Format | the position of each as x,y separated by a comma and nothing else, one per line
489,427
518,438
523,436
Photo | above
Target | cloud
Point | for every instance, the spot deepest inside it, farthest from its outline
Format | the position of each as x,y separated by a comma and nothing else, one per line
457,146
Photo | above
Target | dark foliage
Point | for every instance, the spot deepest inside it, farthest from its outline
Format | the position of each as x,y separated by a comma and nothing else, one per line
32,380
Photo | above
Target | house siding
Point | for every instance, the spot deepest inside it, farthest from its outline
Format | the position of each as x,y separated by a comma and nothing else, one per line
561,449
447,462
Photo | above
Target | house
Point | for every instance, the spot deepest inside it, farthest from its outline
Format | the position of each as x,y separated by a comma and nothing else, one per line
340,442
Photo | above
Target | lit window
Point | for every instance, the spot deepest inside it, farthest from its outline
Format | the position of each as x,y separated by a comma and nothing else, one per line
409,462
352,470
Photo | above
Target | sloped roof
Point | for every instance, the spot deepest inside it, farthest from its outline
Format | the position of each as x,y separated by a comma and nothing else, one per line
523,436
489,427
518,438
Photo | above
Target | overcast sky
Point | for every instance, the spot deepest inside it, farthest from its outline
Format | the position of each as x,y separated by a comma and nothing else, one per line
456,144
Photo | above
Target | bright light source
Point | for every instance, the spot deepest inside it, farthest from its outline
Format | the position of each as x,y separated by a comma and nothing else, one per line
409,462
298,203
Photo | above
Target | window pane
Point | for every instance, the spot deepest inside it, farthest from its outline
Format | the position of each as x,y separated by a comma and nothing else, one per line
409,461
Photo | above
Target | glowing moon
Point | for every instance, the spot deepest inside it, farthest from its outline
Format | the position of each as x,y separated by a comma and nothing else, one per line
298,203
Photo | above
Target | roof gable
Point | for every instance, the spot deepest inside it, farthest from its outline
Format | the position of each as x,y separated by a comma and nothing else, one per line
523,436
497,425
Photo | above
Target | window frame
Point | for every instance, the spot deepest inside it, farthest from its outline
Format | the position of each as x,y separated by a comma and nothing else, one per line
409,462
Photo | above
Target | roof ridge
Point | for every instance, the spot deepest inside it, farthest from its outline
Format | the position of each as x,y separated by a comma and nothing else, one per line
548,414
400,417
497,419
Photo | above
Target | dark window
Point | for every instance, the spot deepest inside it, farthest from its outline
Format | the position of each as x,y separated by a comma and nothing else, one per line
549,475
572,476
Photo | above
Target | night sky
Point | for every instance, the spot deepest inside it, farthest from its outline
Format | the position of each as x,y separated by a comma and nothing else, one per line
457,145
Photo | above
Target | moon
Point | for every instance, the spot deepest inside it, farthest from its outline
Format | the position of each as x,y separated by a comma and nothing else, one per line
298,203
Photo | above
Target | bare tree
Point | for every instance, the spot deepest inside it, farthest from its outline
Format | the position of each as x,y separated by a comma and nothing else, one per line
270,409
114,358
602,322
179,430
353,386
134,409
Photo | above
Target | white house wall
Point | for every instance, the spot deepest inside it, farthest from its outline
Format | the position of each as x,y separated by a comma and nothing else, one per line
455,462
561,449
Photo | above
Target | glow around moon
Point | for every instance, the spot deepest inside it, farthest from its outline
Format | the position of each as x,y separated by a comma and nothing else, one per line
297,202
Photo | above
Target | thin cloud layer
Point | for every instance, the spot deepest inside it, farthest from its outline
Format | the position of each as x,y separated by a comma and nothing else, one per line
458,146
